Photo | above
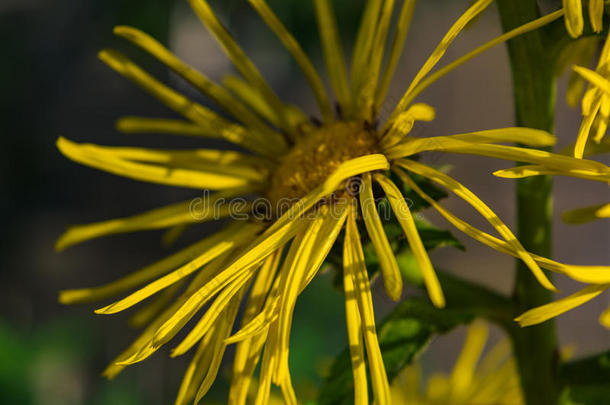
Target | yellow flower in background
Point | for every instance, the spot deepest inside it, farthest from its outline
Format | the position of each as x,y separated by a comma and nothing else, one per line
476,379
305,171
574,16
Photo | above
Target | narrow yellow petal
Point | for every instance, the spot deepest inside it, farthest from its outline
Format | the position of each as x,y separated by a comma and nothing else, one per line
604,318
134,279
513,153
405,218
520,172
291,283
333,53
583,274
468,196
183,314
585,131
216,245
432,78
148,312
194,372
354,332
586,214
145,337
247,352
545,312
596,14
254,99
357,269
465,366
184,212
404,123
267,366
153,173
594,78
400,35
574,19
212,314
392,280
474,10
298,54
219,94
197,113
224,329
365,98
363,44
243,64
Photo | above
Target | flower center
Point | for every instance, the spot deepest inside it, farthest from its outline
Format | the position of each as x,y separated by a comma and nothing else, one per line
317,156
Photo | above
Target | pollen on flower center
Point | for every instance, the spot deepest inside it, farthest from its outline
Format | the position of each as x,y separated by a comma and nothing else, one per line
316,156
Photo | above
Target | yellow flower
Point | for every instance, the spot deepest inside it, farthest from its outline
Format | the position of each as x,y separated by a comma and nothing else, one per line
305,173
574,18
475,380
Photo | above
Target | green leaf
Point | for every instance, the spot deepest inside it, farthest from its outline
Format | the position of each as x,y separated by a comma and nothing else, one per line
402,336
590,370
586,395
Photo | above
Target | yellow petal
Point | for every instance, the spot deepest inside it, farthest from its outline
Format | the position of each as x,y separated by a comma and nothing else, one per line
586,214
357,269
254,99
297,53
468,196
154,173
171,215
400,35
465,366
404,123
202,116
224,329
293,282
243,64
574,19
219,94
583,274
474,10
220,304
194,373
555,308
354,333
333,53
134,279
432,78
392,280
405,218
520,172
217,244
365,97
363,45
267,366
247,352
144,340
604,318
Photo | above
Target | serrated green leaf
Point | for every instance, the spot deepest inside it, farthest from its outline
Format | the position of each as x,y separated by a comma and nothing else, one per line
402,336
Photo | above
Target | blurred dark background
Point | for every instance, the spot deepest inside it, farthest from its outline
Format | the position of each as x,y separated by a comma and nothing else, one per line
53,84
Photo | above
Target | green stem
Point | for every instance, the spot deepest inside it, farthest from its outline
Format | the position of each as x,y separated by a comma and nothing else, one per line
533,59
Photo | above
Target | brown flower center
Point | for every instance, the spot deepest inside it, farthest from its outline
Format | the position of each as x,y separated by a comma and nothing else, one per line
317,156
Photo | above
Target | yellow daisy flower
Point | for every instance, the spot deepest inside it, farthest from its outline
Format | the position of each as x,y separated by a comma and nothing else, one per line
574,16
305,171
491,379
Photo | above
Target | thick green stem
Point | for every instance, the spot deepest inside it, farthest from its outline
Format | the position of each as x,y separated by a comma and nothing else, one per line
533,60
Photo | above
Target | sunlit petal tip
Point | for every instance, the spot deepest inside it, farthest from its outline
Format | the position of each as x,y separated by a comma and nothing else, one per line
72,296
